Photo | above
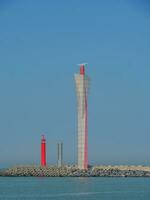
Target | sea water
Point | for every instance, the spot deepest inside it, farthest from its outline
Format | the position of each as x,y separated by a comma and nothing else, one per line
22,188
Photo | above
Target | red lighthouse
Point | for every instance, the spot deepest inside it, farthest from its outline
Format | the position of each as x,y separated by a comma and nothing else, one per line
43,151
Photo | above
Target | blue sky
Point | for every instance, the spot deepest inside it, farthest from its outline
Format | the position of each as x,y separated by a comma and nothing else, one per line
41,43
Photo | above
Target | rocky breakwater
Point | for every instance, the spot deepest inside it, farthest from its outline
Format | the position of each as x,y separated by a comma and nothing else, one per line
71,171
121,171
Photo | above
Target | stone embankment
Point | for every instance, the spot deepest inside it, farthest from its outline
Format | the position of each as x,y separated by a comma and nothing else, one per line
71,171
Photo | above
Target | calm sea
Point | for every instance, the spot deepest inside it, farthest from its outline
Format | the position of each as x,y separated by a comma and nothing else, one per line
75,188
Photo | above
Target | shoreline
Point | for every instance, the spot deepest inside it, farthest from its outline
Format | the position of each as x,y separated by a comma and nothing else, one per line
72,171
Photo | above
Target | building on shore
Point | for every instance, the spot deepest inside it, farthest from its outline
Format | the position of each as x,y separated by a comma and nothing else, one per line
59,154
82,85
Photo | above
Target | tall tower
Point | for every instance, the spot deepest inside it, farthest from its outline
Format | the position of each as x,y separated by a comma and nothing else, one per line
82,85
60,154
43,151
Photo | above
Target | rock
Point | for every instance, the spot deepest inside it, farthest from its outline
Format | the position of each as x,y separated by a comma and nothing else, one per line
73,171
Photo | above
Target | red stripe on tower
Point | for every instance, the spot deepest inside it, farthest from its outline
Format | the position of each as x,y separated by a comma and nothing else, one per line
82,70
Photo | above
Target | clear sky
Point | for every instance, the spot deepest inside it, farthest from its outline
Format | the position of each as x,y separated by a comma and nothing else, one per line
41,43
